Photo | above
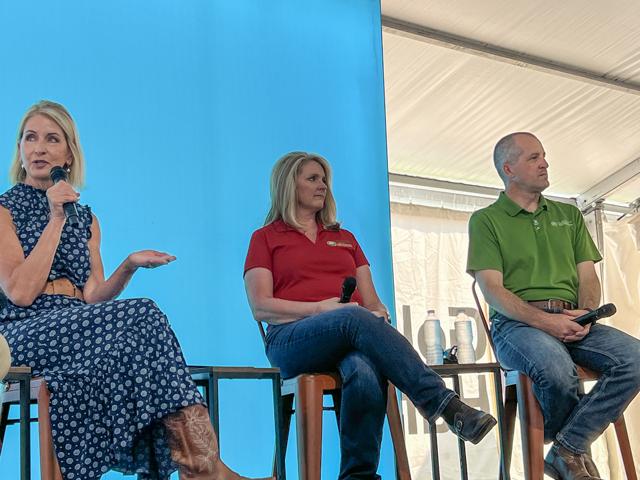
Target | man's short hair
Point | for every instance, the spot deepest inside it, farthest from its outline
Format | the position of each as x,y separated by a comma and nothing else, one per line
507,151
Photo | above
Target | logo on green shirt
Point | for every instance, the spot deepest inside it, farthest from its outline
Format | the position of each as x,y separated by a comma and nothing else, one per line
563,223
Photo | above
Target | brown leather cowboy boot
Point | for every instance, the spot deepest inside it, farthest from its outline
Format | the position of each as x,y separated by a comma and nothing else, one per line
562,464
194,446
590,465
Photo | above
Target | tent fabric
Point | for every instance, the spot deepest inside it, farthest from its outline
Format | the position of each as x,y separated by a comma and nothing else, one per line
622,287
634,229
429,256
601,36
446,107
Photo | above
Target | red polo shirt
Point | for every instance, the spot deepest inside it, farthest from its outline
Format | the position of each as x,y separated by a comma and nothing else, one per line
304,271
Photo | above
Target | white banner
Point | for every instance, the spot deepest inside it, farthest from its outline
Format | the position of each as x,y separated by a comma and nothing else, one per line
622,287
429,256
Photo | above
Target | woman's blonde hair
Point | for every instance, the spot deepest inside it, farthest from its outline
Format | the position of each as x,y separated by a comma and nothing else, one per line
61,116
283,190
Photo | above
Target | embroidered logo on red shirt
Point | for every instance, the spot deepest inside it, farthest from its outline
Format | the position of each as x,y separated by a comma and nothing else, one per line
331,243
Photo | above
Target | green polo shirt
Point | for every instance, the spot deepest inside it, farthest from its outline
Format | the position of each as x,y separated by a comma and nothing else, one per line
537,252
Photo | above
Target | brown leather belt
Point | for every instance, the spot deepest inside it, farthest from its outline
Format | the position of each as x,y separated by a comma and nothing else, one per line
552,305
62,286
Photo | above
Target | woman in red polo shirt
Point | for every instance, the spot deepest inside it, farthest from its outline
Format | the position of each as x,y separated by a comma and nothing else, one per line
295,266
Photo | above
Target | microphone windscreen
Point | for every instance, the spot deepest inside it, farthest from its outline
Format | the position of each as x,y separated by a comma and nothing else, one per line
349,284
58,174
607,310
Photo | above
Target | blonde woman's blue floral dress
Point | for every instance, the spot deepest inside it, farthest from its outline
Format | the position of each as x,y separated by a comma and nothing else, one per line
114,369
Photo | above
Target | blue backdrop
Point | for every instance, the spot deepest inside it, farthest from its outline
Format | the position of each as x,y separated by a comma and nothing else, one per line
183,107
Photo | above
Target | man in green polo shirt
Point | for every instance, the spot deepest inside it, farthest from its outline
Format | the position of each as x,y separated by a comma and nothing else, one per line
533,259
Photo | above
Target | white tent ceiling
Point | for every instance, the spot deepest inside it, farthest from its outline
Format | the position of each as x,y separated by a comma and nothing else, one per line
574,81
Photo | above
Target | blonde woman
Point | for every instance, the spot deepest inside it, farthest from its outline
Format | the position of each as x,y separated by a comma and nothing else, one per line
121,394
294,270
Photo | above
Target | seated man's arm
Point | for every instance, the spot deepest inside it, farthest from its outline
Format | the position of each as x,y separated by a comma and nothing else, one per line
510,305
588,286
588,290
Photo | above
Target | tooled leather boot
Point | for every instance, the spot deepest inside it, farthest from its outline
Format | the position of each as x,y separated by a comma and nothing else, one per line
194,446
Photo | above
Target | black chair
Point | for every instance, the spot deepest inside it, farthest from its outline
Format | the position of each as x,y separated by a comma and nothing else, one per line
454,371
208,378
22,390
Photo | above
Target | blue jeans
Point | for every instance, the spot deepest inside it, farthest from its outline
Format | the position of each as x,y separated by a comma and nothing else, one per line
366,351
570,420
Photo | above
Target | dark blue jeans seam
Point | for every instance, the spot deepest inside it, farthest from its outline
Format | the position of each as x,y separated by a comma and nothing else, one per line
441,407
601,352
534,369
562,437
513,347
276,343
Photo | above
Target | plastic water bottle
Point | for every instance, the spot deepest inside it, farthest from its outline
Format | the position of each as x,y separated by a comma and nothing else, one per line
432,339
464,337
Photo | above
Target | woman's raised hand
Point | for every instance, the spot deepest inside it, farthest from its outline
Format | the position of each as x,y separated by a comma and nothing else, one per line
59,194
149,259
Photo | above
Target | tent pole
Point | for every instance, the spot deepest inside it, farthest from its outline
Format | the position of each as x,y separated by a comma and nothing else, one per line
502,54
599,220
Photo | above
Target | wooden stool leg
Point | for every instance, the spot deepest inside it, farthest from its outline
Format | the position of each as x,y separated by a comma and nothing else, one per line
625,448
532,429
510,409
397,435
309,428
49,468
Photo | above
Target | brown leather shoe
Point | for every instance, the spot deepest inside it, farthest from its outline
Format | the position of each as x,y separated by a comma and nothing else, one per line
562,464
590,465
471,425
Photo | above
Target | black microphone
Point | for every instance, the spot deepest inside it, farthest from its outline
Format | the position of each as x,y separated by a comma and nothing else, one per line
58,174
594,315
348,286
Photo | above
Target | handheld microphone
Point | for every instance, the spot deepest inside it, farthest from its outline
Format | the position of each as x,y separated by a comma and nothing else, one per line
58,174
602,312
348,286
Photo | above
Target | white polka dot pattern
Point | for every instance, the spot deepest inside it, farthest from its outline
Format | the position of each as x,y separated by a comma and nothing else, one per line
114,368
